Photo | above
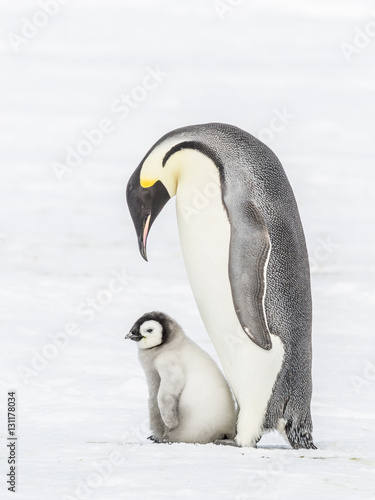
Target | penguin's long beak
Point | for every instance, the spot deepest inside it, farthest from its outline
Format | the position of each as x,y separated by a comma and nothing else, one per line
144,204
142,238
133,335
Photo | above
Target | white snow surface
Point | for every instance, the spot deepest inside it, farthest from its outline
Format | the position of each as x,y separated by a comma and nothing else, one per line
82,421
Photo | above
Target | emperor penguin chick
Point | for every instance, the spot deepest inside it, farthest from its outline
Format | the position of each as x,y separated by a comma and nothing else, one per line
189,398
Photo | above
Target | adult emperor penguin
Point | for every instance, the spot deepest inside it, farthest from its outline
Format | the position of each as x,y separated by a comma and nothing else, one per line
245,254
189,398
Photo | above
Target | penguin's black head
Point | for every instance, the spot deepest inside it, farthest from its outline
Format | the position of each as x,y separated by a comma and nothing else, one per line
152,330
145,204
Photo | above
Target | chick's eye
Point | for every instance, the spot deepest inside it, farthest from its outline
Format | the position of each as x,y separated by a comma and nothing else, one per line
149,330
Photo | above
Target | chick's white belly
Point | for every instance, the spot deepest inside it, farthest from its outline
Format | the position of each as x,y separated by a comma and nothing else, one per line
206,406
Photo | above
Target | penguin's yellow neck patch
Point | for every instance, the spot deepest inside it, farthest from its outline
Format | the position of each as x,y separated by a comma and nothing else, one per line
146,183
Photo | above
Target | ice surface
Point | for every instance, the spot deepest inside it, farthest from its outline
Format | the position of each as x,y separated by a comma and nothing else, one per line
82,415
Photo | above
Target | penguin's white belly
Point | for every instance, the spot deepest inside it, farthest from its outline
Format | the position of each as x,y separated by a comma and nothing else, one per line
205,235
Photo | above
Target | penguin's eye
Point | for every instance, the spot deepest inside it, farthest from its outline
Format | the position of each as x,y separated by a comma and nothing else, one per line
149,330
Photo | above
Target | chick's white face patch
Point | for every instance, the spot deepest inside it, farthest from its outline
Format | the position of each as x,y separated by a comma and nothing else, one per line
152,333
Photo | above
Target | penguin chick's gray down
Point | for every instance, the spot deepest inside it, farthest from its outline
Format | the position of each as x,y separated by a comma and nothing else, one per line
189,398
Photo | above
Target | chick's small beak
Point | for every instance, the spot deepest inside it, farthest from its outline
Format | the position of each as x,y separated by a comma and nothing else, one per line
134,336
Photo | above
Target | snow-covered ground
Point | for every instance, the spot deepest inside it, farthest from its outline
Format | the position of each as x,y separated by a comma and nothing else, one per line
72,281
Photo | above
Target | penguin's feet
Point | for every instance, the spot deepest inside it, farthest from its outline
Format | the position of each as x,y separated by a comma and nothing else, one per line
157,440
226,442
299,436
154,439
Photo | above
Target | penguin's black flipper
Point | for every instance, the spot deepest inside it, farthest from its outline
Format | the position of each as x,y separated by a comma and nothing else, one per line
249,252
